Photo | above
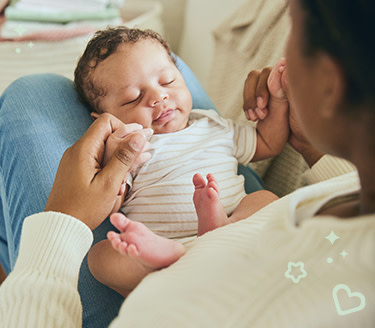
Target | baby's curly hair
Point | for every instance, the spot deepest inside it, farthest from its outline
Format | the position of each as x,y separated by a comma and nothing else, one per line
101,46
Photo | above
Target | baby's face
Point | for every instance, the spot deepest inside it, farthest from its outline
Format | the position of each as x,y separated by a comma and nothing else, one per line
144,86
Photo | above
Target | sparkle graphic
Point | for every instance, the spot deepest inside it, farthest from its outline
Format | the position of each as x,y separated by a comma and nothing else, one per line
20,30
18,50
353,301
344,253
30,44
291,267
329,260
332,237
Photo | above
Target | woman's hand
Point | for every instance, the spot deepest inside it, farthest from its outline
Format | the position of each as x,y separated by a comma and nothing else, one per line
116,138
299,142
111,145
83,188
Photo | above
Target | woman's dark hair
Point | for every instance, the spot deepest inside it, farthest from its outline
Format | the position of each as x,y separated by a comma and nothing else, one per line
345,29
101,46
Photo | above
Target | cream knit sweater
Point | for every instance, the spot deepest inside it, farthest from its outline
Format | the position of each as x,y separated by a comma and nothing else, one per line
279,268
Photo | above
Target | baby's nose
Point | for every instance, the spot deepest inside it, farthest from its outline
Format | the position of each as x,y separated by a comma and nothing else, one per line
159,100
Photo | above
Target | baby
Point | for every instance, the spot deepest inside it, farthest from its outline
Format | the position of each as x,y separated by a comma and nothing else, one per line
132,75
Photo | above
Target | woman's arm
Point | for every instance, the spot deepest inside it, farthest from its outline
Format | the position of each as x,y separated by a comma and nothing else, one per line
327,167
40,117
41,291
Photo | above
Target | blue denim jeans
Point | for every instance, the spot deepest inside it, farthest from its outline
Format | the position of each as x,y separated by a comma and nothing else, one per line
41,116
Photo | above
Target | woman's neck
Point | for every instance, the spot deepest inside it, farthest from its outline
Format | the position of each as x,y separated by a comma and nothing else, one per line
367,194
361,152
366,174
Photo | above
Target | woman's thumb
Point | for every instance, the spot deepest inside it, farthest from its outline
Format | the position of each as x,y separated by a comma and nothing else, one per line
284,82
123,159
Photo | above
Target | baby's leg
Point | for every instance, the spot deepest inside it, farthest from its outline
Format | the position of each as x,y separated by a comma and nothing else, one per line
140,243
210,211
252,203
127,257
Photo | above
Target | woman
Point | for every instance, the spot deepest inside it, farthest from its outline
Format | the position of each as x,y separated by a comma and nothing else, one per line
306,260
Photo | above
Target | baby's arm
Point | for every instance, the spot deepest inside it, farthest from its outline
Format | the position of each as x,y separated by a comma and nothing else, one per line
271,112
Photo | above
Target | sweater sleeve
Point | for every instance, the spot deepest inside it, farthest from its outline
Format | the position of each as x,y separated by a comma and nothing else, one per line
41,291
327,167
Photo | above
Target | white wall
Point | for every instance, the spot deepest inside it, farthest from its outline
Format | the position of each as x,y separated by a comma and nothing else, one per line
172,17
201,18
188,26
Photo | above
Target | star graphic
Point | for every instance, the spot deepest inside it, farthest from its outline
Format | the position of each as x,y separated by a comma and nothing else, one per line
300,266
30,44
344,253
332,237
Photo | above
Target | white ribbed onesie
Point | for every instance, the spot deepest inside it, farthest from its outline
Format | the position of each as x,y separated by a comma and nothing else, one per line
161,193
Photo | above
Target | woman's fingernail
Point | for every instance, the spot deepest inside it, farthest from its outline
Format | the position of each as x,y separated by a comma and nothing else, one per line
148,132
260,112
136,143
122,189
252,115
247,114
260,102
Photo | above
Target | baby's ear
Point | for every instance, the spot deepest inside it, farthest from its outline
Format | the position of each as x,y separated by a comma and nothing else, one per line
94,115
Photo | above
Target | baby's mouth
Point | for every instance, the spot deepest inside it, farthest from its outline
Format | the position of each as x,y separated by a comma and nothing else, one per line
165,116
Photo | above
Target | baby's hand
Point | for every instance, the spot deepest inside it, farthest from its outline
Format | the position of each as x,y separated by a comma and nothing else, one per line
263,87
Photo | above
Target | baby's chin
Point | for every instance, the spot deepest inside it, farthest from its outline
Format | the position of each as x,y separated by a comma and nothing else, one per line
170,127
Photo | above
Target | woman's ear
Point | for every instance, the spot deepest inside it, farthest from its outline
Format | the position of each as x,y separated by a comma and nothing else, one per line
94,115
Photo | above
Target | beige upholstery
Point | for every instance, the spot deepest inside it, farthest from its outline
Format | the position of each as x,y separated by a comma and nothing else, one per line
252,38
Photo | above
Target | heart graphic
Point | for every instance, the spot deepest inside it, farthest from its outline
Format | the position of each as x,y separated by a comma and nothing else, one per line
350,295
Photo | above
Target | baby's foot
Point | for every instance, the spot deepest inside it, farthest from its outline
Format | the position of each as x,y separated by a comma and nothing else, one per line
139,242
210,211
